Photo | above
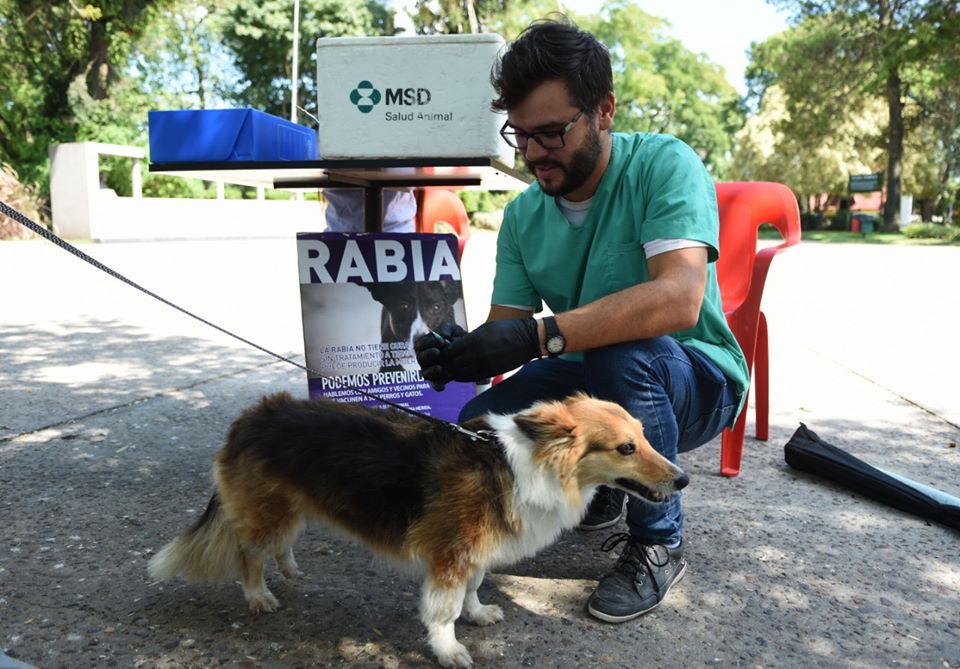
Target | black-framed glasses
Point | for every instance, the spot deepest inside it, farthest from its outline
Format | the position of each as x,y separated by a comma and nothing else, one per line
548,139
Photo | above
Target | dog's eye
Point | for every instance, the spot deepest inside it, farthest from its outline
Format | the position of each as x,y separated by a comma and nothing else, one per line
627,449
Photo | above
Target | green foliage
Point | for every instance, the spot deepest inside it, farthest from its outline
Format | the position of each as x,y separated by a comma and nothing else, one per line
485,201
90,71
110,62
842,55
944,233
47,48
21,197
445,17
510,18
819,66
182,62
164,185
259,36
663,87
660,85
474,16
772,147
117,119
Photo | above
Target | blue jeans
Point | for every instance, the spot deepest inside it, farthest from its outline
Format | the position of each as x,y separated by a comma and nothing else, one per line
680,396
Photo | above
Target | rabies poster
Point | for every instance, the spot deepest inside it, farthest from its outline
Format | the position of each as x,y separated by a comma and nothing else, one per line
365,297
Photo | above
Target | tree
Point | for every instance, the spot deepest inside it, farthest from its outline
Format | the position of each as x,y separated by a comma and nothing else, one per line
767,148
446,17
259,34
663,87
182,61
47,47
660,85
842,52
504,17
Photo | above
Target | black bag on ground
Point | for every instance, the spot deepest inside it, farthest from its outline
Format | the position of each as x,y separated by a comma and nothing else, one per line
807,452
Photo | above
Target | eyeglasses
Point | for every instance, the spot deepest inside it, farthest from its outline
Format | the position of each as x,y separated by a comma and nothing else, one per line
548,139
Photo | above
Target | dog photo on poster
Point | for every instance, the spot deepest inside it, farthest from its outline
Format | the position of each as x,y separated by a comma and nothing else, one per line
365,298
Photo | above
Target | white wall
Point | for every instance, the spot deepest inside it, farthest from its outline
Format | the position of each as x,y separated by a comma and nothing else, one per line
126,218
82,210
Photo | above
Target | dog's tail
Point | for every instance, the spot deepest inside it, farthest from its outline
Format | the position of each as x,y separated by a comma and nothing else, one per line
208,551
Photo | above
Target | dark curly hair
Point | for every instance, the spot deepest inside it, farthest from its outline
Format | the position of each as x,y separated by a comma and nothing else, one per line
552,48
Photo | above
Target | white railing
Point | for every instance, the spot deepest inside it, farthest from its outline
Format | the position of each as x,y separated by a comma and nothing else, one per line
84,210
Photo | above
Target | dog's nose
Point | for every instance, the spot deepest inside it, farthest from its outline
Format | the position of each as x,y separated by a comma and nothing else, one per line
681,481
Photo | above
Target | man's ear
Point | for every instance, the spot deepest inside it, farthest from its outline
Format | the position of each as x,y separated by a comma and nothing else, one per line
607,110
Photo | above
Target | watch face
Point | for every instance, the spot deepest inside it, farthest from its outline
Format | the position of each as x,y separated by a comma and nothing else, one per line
555,344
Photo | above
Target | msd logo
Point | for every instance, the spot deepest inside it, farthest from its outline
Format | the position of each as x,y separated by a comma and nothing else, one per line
366,96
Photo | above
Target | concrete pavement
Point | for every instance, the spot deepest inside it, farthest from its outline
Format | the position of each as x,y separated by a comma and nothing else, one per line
112,405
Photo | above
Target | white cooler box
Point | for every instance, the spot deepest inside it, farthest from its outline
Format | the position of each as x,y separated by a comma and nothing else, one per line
408,97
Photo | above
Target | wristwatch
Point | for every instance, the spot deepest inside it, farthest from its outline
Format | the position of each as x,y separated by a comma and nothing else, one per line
554,342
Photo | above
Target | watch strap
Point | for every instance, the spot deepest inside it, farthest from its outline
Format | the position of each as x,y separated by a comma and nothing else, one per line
551,331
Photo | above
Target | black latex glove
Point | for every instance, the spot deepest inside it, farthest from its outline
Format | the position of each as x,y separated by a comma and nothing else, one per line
493,348
428,347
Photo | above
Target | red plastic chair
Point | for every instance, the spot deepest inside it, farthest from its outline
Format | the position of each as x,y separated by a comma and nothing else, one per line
439,205
741,273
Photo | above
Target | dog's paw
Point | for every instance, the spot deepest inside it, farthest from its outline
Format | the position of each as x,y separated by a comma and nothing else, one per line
288,564
263,602
485,615
456,655
289,572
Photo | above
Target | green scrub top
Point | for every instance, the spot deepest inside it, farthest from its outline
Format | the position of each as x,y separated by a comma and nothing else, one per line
654,187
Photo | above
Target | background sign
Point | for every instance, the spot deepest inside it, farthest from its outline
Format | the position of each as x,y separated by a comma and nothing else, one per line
865,183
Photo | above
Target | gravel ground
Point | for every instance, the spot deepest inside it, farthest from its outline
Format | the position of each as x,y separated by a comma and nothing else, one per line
111,408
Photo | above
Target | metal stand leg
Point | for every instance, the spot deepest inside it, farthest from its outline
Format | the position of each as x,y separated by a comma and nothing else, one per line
373,208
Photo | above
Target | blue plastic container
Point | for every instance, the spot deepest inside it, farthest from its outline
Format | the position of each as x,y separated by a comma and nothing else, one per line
215,135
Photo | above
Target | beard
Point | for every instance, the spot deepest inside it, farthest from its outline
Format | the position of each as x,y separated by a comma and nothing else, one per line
576,170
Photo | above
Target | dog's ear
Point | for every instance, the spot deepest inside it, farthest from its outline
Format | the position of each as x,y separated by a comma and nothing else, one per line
375,291
451,291
385,293
554,432
547,423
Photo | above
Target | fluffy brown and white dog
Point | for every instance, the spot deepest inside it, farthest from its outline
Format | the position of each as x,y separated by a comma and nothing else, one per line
413,491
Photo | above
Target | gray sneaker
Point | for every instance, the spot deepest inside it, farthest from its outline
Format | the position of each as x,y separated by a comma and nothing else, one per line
638,583
605,510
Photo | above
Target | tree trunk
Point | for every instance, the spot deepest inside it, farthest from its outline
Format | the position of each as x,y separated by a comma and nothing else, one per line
472,17
98,69
891,209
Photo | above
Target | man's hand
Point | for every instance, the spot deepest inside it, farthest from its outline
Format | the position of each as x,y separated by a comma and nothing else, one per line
493,348
428,347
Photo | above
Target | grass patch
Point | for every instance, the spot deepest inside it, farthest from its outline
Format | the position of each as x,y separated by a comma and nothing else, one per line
931,235
933,231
